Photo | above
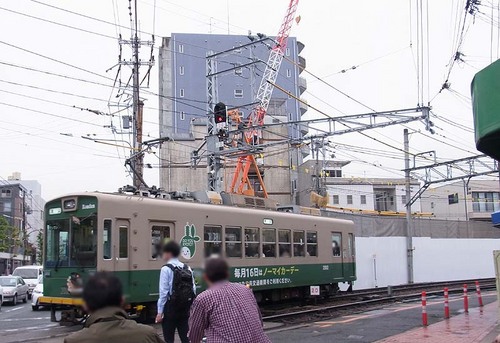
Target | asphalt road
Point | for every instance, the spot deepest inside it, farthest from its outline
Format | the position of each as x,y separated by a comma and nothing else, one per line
21,324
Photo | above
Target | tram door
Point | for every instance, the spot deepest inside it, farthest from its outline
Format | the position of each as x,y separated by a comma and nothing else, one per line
338,255
121,250
349,257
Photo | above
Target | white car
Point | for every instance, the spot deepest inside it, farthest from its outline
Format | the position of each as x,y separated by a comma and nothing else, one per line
37,293
14,289
30,275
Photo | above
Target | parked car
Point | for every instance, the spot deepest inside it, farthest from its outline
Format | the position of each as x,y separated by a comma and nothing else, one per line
30,275
37,293
1,296
14,289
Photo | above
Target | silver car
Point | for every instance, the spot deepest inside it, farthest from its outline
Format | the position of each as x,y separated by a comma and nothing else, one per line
14,289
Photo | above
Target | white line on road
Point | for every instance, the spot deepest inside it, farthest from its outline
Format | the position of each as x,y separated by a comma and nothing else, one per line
43,327
19,319
13,309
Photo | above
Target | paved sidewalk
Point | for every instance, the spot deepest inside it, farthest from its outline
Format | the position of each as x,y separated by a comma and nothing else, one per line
476,327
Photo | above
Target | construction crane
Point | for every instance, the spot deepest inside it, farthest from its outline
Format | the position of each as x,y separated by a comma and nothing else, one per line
241,183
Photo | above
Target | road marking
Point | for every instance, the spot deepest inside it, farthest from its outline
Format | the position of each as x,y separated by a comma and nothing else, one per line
42,327
19,319
13,309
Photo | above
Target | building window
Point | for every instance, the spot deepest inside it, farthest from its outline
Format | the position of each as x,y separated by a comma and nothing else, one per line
181,70
238,71
363,200
238,93
485,202
288,73
7,206
335,199
287,51
338,173
403,199
349,200
181,48
453,199
181,92
6,193
183,115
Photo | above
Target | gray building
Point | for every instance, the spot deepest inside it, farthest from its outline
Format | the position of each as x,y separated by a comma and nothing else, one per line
183,106
462,200
34,204
12,208
356,194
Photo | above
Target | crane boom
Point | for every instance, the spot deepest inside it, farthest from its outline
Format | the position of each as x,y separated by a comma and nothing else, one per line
241,182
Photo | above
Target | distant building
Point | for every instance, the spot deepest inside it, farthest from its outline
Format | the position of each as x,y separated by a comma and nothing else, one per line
183,107
354,193
462,200
34,204
12,208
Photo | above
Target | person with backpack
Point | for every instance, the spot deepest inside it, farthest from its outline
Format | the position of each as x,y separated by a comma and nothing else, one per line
177,292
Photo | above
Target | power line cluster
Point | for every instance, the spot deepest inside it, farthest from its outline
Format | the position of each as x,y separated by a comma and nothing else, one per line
470,10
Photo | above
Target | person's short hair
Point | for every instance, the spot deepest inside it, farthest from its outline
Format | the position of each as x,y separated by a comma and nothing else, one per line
173,248
102,290
216,269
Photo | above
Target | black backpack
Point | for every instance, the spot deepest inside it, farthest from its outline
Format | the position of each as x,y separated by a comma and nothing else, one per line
182,295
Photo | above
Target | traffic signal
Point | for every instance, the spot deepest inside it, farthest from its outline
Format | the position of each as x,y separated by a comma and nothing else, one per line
220,113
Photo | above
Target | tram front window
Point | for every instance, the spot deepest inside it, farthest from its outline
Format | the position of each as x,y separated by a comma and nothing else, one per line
71,242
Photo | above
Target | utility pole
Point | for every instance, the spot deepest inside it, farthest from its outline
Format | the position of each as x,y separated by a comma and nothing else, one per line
409,228
137,117
136,159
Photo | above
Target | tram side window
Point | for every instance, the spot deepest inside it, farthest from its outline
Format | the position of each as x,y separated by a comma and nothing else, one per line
106,240
312,243
213,240
269,242
158,235
123,244
299,244
252,242
284,243
233,242
336,243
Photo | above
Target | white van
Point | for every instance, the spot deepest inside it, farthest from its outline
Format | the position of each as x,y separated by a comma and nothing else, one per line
30,275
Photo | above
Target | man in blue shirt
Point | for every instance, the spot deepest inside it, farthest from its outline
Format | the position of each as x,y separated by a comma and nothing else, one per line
174,318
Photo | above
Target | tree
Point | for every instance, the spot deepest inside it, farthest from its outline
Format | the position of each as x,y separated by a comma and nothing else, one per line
9,236
39,248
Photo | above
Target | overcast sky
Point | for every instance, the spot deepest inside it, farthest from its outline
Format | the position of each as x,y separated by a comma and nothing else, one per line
42,139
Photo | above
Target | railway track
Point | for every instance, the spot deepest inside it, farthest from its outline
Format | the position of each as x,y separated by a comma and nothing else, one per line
363,299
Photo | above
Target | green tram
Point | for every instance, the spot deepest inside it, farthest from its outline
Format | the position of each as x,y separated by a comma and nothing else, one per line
279,255
486,108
